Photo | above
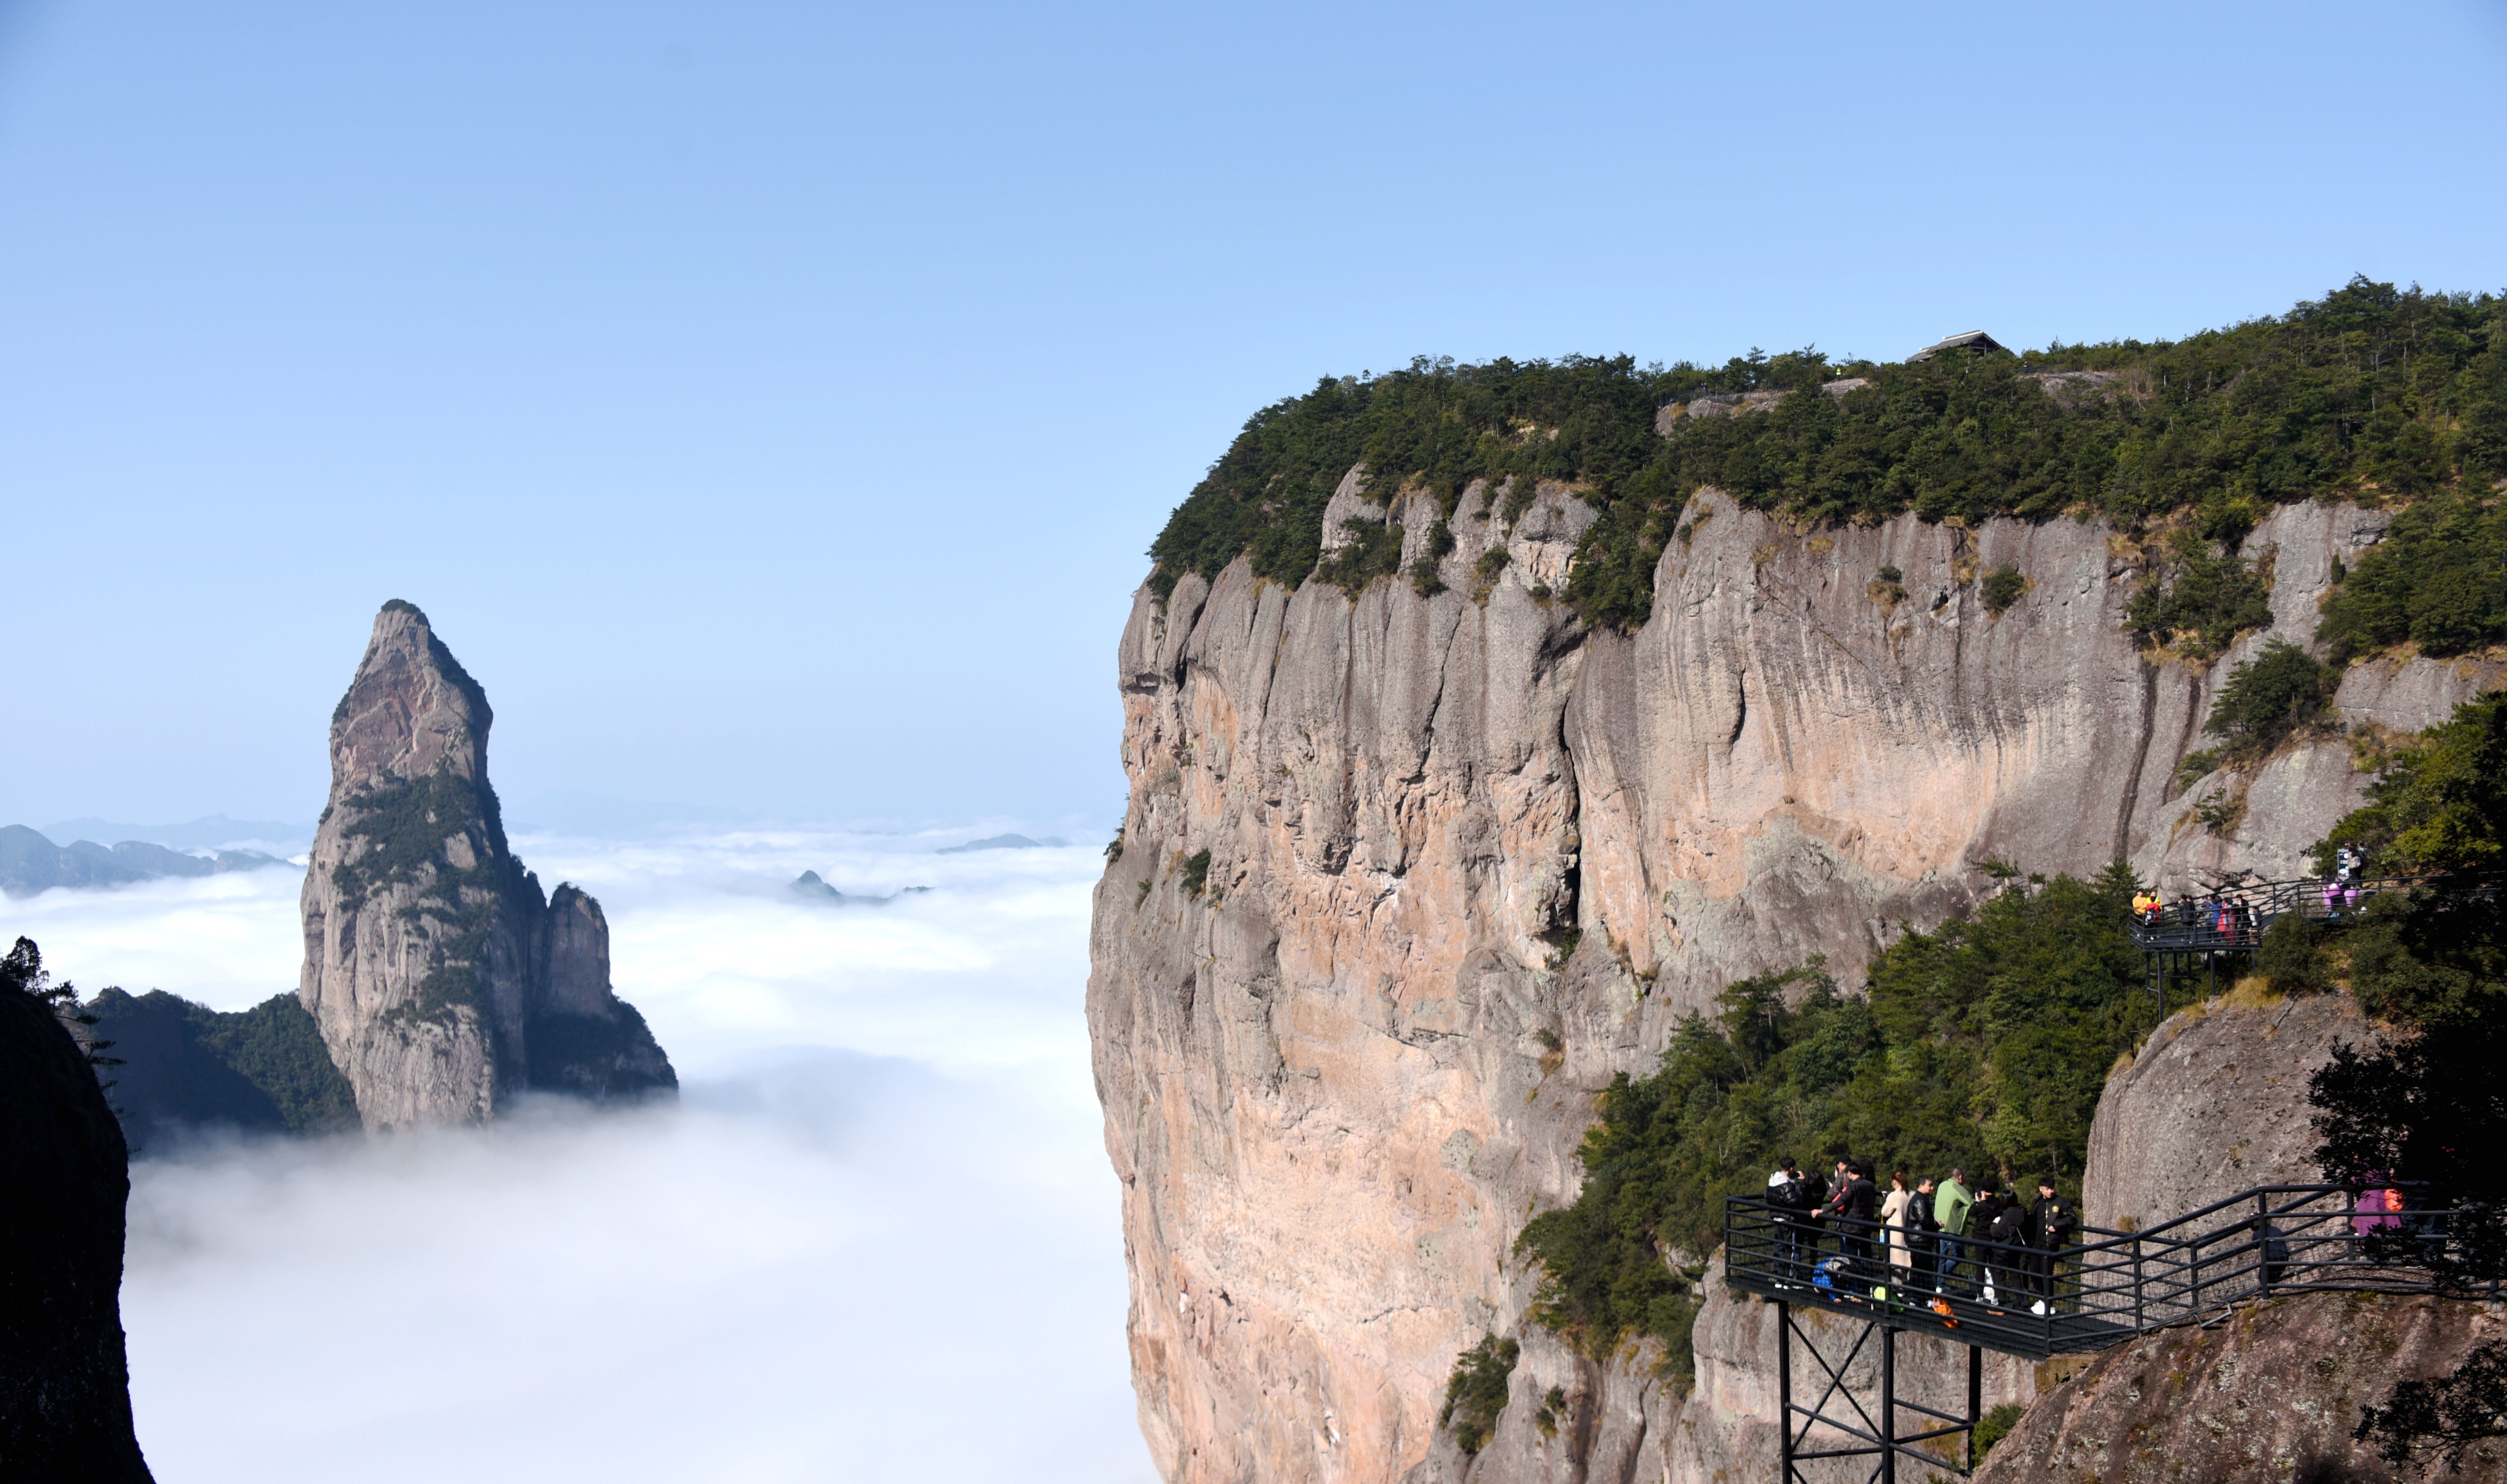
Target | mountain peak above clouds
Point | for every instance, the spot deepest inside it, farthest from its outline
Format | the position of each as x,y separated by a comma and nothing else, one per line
443,980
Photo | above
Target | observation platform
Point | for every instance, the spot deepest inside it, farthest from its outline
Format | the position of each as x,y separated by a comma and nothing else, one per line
2264,1243
2234,917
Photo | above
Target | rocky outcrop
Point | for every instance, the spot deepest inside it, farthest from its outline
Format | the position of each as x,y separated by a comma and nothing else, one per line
442,980
1405,878
64,1174
2213,1104
2271,1394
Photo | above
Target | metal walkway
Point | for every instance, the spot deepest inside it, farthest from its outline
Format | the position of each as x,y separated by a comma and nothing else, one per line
2187,938
2268,1242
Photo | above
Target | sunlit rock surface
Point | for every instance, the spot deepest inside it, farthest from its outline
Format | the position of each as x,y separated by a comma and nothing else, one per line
2214,1103
2272,1393
444,983
1467,858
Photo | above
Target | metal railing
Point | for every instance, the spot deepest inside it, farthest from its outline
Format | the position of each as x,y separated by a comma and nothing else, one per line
2234,918
2106,1286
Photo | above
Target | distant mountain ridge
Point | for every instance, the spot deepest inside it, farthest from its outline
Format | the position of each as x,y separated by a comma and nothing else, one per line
210,832
1000,842
30,862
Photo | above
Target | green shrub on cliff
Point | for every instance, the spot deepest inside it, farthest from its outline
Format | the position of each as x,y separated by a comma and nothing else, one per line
2199,600
2438,805
2439,580
1475,1393
1983,1043
2269,698
2369,388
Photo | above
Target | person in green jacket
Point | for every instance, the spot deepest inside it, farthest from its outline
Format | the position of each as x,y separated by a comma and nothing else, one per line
1950,1205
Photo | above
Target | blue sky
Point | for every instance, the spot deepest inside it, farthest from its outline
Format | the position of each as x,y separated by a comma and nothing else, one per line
771,403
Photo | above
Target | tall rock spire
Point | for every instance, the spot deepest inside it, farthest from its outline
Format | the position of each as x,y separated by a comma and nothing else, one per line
444,982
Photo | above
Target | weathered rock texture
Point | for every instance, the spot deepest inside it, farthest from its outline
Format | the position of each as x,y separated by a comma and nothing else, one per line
1405,880
443,982
2271,1394
2215,1103
64,1177
1626,1424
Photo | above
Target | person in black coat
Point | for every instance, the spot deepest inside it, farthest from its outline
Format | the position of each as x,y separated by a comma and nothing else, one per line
2004,1227
1856,1208
1788,1200
1923,1237
2052,1221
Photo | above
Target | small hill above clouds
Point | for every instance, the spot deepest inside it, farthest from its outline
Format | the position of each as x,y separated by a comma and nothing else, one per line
30,862
809,887
1003,843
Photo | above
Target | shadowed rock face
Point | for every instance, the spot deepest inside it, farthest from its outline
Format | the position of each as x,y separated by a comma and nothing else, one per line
443,982
1465,859
64,1382
2269,1395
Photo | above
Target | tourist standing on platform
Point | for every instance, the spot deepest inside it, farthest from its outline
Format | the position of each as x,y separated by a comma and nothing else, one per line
1923,1237
1951,1205
2006,1229
1856,1205
1788,1199
1893,1217
2050,1224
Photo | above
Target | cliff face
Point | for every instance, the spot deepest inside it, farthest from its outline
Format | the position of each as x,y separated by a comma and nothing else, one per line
64,1380
1623,1421
443,982
1405,880
2269,1394
2215,1102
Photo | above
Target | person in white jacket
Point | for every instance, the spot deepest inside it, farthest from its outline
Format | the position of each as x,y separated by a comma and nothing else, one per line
1897,1216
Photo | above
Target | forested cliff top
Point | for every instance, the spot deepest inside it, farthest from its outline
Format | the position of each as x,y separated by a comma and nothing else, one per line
2371,392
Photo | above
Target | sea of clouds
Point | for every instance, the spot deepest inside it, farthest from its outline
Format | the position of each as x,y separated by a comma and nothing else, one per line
876,1239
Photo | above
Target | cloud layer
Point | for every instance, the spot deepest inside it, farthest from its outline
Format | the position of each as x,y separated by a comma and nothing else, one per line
877,1239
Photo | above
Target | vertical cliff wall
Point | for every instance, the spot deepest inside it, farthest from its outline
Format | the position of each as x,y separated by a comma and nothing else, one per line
64,1177
1404,880
443,981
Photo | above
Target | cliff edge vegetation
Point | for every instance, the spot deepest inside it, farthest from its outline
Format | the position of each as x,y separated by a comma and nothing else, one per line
185,1066
2370,392
1983,1045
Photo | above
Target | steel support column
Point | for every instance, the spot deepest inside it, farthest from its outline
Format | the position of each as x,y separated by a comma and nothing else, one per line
1865,1431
